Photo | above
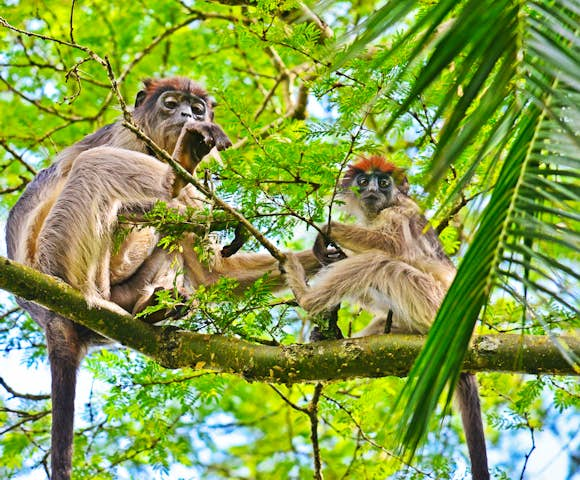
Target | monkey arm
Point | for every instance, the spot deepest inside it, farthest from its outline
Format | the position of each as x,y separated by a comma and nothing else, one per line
75,239
249,267
362,239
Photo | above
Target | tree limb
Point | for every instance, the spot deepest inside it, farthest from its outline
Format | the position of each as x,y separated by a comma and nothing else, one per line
373,356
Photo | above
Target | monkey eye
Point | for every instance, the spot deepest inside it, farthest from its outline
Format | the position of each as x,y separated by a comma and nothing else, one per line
363,181
170,103
198,109
384,182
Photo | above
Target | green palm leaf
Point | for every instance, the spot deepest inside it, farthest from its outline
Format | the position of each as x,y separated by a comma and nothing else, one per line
517,66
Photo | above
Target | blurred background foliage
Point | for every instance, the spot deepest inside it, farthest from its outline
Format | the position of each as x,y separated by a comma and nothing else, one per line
478,100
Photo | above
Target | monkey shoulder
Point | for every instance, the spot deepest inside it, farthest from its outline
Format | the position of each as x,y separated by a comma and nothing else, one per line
102,136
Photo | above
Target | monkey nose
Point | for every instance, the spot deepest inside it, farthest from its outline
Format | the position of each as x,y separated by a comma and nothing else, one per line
186,112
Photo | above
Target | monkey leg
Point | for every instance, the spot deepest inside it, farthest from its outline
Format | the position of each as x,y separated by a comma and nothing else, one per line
161,271
326,321
386,283
75,240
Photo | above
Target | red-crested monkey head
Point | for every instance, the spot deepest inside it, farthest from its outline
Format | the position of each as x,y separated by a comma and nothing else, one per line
373,184
376,163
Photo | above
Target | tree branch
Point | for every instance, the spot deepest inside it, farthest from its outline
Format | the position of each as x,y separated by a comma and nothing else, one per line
373,356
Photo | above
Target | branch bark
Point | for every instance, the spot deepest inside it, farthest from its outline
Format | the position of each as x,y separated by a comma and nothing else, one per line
374,356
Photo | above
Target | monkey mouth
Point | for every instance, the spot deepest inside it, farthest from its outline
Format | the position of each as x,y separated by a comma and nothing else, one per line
370,196
372,199
374,203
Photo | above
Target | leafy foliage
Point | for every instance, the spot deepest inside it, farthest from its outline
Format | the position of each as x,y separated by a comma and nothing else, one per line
477,99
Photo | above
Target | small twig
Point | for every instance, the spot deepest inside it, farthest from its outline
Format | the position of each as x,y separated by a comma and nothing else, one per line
17,188
292,405
345,160
37,104
313,416
26,417
156,41
71,21
455,210
26,396
269,96
532,448
87,50
312,412
17,157
325,31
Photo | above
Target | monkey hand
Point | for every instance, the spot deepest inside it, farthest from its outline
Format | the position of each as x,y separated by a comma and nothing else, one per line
325,251
196,140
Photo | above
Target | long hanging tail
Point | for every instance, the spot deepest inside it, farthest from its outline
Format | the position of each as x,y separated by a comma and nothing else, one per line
470,407
65,351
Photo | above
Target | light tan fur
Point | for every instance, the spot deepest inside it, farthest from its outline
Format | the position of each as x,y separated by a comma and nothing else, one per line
395,263
391,265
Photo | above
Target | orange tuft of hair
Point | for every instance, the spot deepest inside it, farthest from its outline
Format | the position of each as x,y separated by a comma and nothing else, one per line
374,163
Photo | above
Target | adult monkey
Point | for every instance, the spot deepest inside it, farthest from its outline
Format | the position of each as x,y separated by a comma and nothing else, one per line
396,264
63,225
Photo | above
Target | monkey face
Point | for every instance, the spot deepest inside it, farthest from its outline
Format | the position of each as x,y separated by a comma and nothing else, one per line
183,106
175,108
176,111
376,191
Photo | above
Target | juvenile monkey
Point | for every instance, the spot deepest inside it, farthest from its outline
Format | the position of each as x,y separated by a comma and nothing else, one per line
395,264
63,224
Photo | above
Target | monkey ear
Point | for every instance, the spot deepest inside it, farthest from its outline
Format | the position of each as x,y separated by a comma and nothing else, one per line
403,184
140,98
142,95
401,180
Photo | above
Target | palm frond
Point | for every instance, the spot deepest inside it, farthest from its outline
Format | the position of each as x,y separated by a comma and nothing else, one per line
518,71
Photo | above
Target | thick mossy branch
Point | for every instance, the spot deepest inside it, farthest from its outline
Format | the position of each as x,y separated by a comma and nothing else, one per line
374,356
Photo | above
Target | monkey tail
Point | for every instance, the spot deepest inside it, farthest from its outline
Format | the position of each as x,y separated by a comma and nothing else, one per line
470,407
65,351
